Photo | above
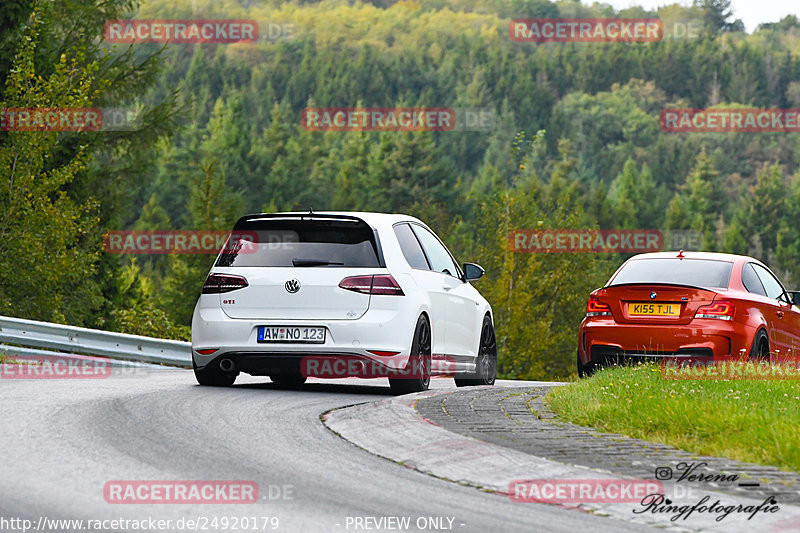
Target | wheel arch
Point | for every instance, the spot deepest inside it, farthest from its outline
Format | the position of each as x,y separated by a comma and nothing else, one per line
426,312
759,330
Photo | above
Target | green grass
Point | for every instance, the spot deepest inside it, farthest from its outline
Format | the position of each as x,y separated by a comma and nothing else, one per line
746,420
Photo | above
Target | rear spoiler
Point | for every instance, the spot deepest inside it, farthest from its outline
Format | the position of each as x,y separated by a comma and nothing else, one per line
654,283
298,216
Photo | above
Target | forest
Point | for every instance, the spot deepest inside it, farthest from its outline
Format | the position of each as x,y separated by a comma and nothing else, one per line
575,143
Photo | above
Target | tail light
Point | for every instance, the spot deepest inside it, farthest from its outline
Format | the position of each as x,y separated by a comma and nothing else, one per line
383,353
595,308
721,310
219,283
378,284
208,351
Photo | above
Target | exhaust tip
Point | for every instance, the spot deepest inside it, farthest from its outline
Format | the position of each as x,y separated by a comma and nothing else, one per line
227,365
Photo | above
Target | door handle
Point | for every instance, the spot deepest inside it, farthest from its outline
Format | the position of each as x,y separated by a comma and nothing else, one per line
446,287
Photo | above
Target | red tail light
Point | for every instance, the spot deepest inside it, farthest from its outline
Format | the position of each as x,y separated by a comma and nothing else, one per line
206,352
383,353
378,284
595,308
385,285
219,283
722,310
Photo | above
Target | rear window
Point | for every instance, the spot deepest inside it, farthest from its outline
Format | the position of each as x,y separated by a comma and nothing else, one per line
302,243
694,272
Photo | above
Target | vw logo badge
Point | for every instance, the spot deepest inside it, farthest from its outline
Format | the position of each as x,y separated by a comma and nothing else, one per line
292,286
652,295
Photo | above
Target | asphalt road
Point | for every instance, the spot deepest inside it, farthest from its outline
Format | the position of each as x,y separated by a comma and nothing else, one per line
63,440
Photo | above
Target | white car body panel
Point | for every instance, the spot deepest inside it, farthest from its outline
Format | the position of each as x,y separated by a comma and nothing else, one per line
355,322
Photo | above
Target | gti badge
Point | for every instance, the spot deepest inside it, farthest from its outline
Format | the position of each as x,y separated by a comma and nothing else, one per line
292,286
652,295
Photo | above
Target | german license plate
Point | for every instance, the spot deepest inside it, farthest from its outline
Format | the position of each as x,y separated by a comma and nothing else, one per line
305,334
654,309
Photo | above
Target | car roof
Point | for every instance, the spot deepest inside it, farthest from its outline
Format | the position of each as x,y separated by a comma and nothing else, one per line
373,219
714,256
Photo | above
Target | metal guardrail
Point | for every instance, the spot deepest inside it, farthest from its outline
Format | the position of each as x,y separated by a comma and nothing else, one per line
72,339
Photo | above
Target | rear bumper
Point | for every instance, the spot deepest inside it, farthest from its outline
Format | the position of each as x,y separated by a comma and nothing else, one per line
380,330
602,340
332,365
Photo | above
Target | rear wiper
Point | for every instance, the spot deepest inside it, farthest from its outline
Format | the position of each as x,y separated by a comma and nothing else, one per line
313,262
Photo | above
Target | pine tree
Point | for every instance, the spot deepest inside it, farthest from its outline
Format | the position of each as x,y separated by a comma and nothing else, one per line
698,202
352,187
635,198
735,240
768,207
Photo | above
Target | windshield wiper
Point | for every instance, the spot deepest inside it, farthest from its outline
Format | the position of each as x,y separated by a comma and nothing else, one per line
313,262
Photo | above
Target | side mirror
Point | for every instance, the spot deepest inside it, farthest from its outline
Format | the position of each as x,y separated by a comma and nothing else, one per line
794,297
473,271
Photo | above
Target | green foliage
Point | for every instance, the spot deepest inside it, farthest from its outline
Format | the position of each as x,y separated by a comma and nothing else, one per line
717,14
698,202
47,253
136,311
769,200
635,198
65,188
538,299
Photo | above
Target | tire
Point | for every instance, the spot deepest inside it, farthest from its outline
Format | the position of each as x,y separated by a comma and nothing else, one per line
486,365
584,371
420,358
212,376
759,352
288,380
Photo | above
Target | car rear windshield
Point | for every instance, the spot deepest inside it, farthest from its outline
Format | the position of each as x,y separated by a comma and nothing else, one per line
693,272
322,242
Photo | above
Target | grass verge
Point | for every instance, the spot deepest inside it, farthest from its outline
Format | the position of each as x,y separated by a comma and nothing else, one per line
746,420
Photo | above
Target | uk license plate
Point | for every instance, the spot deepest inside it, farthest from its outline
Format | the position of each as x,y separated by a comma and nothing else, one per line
304,334
654,309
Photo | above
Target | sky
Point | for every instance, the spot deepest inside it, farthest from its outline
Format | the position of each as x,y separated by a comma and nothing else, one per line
752,12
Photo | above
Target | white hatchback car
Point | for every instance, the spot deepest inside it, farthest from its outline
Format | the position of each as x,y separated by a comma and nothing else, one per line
338,294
